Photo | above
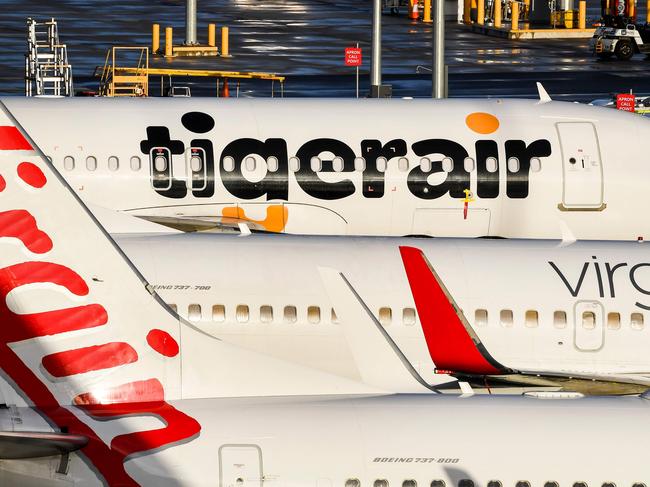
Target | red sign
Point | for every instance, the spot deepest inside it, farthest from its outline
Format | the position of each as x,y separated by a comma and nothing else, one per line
625,102
353,56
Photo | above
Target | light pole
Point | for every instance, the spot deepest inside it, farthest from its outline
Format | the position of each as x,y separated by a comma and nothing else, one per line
190,22
438,76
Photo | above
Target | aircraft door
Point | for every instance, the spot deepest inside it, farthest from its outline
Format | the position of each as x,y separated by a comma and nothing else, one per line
240,466
589,330
582,170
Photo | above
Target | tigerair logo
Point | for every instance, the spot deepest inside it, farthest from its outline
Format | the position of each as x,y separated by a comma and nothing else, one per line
140,398
440,169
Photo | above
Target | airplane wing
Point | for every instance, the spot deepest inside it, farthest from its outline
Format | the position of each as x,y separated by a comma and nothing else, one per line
457,350
378,358
15,445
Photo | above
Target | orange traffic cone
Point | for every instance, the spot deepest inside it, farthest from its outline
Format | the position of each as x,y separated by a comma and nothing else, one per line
415,10
225,92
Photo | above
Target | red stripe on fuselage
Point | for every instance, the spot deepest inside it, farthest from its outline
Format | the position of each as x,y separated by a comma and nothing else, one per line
87,359
450,346
12,139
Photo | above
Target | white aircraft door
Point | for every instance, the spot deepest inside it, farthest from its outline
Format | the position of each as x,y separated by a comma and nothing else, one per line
582,169
240,466
588,325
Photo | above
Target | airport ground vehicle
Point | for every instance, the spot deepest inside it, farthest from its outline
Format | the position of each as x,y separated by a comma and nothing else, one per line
621,41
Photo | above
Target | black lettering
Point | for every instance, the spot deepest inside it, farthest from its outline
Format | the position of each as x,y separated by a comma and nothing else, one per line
373,179
487,185
275,185
598,278
163,180
573,292
308,179
517,182
456,181
633,270
610,276
201,181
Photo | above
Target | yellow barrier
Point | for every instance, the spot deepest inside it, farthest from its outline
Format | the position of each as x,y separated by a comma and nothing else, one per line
480,12
467,19
212,35
224,42
155,38
168,41
515,16
582,14
647,11
426,16
497,13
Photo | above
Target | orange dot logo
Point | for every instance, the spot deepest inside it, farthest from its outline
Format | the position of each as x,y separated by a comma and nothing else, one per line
482,123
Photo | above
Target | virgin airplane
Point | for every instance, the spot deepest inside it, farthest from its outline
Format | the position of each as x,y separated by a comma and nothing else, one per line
547,308
507,168
103,385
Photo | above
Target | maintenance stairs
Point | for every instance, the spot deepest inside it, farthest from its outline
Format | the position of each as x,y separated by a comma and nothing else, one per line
125,72
47,70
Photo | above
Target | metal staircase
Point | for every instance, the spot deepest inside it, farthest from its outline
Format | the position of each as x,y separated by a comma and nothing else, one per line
47,70
125,72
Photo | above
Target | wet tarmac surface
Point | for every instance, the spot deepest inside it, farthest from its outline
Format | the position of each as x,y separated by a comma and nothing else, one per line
304,40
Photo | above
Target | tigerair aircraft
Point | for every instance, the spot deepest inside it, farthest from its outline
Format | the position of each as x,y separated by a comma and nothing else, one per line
101,384
500,168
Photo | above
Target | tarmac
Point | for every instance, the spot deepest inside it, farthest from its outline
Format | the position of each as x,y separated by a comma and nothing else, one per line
304,40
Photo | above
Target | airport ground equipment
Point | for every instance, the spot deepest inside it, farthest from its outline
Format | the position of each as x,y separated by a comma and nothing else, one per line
621,41
47,70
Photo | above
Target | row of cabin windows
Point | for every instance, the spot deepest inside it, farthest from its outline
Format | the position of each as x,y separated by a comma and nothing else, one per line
470,483
289,314
113,163
588,319
316,164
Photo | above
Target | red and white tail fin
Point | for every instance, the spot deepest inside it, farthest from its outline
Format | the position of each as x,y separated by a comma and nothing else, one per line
453,345
85,340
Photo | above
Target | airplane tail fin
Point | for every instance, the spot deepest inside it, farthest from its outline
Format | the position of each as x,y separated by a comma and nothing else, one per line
453,345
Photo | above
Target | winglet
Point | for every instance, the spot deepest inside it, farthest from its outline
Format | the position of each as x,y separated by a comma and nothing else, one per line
543,94
453,345
380,361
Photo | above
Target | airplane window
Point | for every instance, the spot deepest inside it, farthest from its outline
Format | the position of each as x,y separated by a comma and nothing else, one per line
522,483
91,163
531,319
588,320
113,163
494,483
173,307
313,314
614,321
380,483
294,164
290,314
403,164
68,163
468,164
636,321
551,483
228,164
481,317
273,164
535,164
408,316
465,483
447,164
196,164
334,318
491,164
505,318
219,313
136,164
385,316
250,163
194,312
409,483
579,484
241,313
437,483
266,313
513,164
337,164
316,164
425,164
359,164
352,483
559,319
382,164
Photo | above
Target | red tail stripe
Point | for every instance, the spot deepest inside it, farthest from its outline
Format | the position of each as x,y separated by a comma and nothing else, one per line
31,174
144,390
449,344
25,273
88,359
21,224
12,139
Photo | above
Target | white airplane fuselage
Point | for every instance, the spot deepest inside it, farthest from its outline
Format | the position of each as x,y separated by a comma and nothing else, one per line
369,167
535,305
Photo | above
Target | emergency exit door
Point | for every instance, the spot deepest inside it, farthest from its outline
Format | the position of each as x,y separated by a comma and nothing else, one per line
582,169
240,466
589,326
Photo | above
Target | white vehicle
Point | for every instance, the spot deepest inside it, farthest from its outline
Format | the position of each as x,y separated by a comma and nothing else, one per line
507,168
619,41
102,385
536,307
